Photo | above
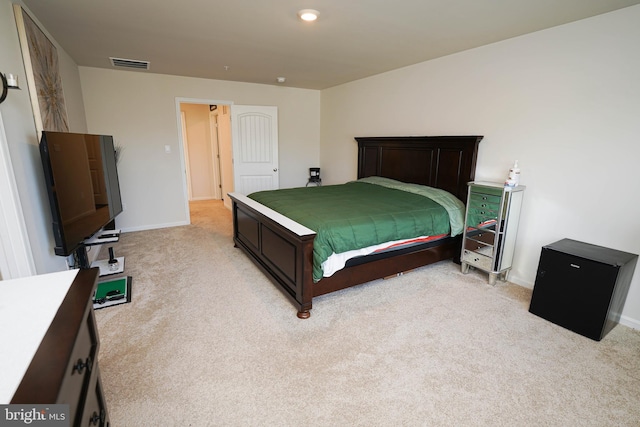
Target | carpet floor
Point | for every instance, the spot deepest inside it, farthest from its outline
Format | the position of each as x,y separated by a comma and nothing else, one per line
208,341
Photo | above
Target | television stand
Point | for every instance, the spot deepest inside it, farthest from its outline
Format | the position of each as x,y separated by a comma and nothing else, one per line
105,267
110,266
100,238
81,258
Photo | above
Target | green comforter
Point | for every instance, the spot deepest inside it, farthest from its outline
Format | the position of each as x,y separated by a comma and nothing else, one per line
365,213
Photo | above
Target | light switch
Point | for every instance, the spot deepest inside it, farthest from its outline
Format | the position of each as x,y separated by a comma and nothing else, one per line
167,149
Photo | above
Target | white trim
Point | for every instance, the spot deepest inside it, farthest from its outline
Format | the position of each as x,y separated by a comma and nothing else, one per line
154,227
215,154
16,258
185,141
288,223
629,322
203,198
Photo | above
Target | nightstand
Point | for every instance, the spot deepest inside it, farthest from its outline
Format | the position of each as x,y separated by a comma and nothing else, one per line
491,226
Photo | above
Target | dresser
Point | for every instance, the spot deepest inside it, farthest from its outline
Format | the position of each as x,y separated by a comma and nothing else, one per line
582,287
491,227
52,357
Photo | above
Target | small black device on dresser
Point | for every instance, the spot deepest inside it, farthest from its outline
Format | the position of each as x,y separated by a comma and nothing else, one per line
314,177
582,287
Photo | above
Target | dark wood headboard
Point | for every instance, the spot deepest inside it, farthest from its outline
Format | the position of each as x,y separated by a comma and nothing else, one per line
446,162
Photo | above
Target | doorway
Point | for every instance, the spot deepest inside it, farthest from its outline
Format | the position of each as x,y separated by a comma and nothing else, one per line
217,156
206,148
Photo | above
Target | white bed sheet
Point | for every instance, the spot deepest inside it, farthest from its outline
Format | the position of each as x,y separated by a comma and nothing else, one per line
336,262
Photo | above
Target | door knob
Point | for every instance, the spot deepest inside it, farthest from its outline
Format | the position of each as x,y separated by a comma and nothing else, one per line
275,169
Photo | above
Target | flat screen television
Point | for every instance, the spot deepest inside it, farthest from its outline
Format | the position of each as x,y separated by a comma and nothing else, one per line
82,184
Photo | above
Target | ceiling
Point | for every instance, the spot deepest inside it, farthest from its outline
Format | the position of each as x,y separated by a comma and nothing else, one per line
258,41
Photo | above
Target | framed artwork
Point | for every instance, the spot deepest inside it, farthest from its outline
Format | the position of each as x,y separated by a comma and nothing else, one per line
43,75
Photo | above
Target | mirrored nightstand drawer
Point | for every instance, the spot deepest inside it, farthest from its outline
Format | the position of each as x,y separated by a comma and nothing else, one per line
477,260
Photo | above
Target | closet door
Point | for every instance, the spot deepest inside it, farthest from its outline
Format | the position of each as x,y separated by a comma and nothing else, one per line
254,132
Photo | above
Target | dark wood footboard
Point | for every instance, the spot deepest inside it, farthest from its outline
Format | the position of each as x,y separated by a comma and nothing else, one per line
281,248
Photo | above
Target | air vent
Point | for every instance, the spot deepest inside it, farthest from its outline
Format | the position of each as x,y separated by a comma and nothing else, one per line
129,63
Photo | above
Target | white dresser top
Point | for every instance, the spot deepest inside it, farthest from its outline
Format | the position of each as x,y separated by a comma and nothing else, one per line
27,308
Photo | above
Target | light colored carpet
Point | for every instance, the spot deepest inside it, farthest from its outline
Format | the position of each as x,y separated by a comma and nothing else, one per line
209,341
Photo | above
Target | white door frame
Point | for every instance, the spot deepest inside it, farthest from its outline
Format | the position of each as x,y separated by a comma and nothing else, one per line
16,257
185,140
215,154
181,143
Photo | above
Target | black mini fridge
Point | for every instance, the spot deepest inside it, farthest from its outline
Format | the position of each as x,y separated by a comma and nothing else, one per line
582,287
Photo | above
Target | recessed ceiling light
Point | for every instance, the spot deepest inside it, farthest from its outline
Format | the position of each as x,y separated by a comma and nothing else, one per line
308,15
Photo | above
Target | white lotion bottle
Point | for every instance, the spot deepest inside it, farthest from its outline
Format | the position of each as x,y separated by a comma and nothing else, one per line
514,176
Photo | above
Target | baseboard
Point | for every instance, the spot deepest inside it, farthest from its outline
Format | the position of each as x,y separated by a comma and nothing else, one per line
202,199
629,322
153,227
519,281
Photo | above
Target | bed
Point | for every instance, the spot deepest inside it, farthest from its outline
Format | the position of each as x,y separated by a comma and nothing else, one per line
283,248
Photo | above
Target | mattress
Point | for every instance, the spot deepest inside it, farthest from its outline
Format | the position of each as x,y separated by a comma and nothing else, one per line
336,262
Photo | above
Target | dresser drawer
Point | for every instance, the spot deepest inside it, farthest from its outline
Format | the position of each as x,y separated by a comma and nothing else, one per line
481,235
492,190
485,201
480,247
80,367
95,409
477,217
488,210
477,260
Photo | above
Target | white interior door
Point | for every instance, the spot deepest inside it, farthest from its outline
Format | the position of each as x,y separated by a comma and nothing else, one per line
255,148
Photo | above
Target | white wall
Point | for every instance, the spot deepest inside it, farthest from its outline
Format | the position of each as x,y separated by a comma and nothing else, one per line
565,102
22,139
139,110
